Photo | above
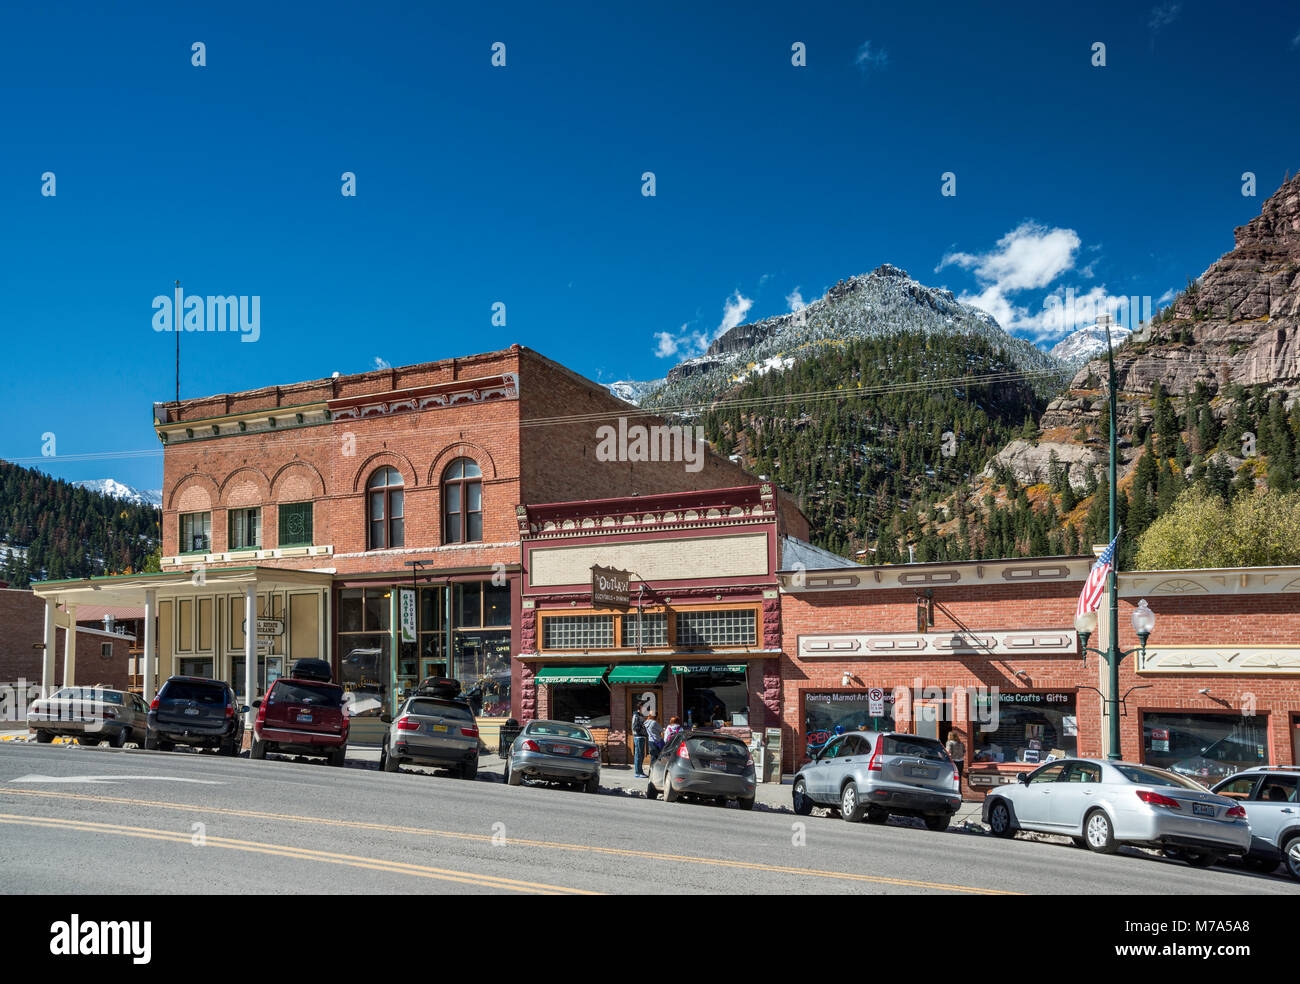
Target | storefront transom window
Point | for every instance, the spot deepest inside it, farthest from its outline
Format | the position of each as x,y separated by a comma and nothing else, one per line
733,627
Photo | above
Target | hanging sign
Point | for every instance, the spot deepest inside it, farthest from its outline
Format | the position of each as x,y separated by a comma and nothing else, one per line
609,588
406,612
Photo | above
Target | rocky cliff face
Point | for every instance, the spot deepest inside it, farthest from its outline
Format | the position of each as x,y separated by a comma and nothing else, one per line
1239,323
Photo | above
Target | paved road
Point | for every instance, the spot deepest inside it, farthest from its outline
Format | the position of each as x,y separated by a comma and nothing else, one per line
104,821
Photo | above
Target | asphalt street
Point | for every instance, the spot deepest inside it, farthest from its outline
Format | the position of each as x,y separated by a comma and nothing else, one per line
103,821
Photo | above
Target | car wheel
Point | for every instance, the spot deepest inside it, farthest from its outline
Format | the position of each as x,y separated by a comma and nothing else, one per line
670,795
803,805
592,785
876,816
118,740
513,778
1000,819
1201,859
469,770
1099,832
228,748
44,737
1292,851
1261,866
1078,842
339,757
258,749
745,803
938,823
387,762
150,741
851,808
650,791
88,741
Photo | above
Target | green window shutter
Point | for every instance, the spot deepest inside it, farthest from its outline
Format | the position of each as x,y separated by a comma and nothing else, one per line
295,524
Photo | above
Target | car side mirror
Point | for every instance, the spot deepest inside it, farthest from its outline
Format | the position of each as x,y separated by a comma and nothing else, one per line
244,709
1022,778
258,702
386,719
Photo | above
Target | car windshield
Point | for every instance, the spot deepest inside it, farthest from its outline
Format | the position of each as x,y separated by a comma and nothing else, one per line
1147,776
202,693
432,707
89,693
923,748
322,695
727,748
559,730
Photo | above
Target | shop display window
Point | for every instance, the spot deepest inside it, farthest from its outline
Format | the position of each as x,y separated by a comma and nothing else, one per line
583,704
715,696
1207,747
827,715
1028,727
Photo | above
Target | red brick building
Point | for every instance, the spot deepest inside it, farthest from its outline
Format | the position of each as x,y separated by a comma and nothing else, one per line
700,637
371,519
946,643
99,657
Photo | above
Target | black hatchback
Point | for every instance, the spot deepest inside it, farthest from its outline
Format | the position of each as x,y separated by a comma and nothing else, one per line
198,712
706,765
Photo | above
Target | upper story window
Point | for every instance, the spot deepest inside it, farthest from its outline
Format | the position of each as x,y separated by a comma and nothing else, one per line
196,532
384,502
295,524
245,528
728,627
462,502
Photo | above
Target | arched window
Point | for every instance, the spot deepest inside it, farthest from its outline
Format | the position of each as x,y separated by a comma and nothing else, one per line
384,502
462,502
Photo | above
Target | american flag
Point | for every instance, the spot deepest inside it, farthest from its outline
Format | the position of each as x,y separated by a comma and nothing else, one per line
1095,586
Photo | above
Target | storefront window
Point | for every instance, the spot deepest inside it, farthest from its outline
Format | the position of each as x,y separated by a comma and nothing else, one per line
827,715
365,648
269,669
583,704
1027,727
481,662
195,668
714,694
1205,747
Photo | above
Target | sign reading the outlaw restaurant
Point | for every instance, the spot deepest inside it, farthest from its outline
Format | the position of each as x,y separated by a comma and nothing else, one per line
609,588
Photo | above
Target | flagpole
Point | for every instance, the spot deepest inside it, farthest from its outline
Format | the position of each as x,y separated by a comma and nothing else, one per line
1112,581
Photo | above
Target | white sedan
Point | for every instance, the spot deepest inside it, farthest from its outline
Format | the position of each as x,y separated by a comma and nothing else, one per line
1104,804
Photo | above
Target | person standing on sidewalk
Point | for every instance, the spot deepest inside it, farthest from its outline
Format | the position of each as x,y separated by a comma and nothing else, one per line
957,752
654,732
638,743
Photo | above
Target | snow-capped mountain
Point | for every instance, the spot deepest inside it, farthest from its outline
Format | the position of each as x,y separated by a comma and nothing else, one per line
632,390
1087,342
883,303
115,489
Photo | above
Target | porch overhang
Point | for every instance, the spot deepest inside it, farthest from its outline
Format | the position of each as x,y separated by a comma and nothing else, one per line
131,589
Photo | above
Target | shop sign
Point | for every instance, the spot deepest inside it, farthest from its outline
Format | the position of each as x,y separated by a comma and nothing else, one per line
406,613
266,626
610,588
1159,739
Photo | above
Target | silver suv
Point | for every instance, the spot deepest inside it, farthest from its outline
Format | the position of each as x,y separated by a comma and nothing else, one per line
874,774
1270,796
432,731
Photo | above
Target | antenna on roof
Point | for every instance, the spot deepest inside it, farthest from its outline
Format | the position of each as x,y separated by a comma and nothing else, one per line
176,326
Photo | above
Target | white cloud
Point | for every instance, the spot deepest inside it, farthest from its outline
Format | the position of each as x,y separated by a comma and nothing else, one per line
1167,296
1164,15
734,310
1295,41
381,364
867,58
794,300
1029,256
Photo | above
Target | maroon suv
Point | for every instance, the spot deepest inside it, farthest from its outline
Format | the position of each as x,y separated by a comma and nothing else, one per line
302,717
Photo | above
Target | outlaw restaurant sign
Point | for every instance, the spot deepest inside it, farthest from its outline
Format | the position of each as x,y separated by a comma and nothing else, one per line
609,588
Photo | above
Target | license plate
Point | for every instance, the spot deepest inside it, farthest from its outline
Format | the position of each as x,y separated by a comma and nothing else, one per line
305,717
192,711
718,766
437,729
921,773
1203,809
561,749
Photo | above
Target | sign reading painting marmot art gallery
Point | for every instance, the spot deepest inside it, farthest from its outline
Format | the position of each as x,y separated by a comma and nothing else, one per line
609,588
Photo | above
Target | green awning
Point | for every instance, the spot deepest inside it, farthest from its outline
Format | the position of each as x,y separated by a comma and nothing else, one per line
711,668
571,674
652,673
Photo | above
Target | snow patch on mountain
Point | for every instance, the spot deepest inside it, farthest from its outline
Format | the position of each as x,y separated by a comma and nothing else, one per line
1088,342
633,391
114,489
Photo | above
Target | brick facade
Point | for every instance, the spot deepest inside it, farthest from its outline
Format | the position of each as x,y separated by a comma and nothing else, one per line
22,629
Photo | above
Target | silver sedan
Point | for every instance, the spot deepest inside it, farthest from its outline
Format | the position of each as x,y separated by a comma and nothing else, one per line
556,751
1103,804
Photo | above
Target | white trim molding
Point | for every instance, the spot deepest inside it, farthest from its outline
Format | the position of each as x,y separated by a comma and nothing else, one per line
984,572
1235,660
1020,642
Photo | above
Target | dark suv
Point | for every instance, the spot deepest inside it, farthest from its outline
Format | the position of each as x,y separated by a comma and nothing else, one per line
195,711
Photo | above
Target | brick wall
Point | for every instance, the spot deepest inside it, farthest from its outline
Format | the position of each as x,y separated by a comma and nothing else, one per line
22,627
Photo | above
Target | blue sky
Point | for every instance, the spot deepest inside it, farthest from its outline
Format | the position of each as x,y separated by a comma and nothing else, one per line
522,184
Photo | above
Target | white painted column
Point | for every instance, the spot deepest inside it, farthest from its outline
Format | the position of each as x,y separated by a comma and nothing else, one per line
250,649
150,644
51,644
70,649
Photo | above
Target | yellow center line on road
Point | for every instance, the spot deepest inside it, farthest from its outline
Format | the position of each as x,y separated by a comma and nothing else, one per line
493,839
297,853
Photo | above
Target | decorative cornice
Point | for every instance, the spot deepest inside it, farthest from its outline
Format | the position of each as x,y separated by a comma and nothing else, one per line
661,519
1032,642
1254,660
436,397
986,572
1235,581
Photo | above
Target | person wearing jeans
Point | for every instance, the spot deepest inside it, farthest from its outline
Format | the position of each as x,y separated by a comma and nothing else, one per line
638,743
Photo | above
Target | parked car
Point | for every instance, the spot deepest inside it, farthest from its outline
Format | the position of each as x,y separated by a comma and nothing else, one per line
301,717
1103,804
871,775
198,712
557,751
89,714
432,731
1270,796
1225,757
704,765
